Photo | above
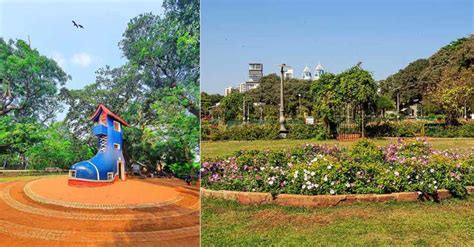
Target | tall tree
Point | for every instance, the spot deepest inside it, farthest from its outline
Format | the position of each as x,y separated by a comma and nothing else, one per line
166,49
450,78
30,81
408,82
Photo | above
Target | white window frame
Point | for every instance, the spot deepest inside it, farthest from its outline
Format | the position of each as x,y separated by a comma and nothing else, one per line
116,144
110,175
119,126
71,172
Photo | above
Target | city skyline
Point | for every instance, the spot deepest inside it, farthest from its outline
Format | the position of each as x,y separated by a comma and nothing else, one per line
338,38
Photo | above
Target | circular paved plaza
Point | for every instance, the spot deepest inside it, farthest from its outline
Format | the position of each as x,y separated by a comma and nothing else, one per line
47,211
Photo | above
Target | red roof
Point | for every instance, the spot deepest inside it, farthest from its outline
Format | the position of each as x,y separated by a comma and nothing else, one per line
102,108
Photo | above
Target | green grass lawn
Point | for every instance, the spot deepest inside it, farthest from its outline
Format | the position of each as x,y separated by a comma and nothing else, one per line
227,223
224,148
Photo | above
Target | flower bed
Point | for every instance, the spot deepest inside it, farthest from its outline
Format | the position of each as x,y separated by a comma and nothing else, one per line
364,169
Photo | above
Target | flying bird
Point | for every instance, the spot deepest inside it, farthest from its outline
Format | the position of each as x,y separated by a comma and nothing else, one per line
77,25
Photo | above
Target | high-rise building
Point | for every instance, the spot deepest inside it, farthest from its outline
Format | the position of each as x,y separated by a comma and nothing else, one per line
255,71
255,74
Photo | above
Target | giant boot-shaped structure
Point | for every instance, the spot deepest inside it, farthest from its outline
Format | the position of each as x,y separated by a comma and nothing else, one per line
108,165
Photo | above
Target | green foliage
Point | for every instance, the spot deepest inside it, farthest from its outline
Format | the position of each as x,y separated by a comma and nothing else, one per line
261,132
408,82
443,82
186,169
207,101
30,81
413,129
232,106
30,145
58,149
365,152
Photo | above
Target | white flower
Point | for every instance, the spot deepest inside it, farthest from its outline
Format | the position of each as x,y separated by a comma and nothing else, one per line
304,186
308,182
417,177
271,182
329,167
432,170
408,177
332,191
316,185
348,185
325,178
295,175
332,183
253,189
396,174
434,182
436,187
313,173
262,168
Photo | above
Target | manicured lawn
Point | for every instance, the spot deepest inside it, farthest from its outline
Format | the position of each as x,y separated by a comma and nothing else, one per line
227,223
224,148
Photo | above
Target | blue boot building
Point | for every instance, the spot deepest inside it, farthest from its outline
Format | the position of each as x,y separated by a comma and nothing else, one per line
108,165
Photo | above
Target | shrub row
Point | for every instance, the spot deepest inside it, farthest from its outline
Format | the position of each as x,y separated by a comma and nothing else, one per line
262,132
412,129
320,169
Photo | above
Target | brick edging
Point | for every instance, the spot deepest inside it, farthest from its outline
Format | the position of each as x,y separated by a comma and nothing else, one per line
318,200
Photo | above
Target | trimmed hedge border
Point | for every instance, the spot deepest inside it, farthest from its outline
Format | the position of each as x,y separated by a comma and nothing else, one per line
257,198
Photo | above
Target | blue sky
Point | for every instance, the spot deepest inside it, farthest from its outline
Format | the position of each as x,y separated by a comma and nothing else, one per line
384,35
79,52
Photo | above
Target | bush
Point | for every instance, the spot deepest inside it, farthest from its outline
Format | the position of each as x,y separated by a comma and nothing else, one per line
412,129
304,131
183,170
365,151
394,129
321,169
247,132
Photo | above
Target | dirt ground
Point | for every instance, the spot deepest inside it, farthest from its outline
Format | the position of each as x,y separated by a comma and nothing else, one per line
25,222
118,193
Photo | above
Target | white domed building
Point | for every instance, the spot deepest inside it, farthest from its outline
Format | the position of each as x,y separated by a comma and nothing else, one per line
318,71
307,73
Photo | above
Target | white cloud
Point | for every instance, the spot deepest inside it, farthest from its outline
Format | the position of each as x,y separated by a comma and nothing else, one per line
59,58
82,59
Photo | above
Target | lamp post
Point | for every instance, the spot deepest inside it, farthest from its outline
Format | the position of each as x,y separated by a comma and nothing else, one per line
299,104
283,131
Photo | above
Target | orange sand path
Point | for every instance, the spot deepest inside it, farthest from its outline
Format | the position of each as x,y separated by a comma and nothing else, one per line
119,193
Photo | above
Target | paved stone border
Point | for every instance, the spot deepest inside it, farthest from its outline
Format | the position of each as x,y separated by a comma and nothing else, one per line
318,200
96,237
6,197
35,197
